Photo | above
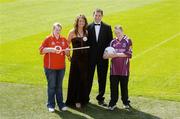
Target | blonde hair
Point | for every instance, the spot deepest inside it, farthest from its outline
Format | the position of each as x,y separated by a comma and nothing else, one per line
118,27
57,25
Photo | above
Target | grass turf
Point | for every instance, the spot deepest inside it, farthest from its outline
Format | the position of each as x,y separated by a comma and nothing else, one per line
29,101
153,74
155,68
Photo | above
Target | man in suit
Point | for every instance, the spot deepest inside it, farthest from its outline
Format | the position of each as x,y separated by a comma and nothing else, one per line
99,37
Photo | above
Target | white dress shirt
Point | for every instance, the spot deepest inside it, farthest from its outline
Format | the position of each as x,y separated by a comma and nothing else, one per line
97,29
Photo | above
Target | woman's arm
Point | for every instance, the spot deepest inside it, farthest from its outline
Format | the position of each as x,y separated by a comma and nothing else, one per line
70,37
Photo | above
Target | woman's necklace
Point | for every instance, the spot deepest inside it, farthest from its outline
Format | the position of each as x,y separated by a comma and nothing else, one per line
81,34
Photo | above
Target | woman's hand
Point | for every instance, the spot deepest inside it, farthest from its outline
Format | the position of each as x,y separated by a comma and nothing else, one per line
69,58
67,53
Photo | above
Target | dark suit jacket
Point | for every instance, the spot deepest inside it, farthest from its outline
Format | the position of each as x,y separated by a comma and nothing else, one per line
97,48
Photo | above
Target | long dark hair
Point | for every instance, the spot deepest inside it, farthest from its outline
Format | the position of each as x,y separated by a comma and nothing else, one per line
76,24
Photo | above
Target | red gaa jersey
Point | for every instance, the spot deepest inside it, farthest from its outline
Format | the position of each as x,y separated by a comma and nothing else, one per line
53,60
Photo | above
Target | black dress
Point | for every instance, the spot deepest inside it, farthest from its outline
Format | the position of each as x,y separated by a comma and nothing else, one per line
77,85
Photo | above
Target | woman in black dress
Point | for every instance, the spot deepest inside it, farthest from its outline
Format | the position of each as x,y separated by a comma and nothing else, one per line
77,86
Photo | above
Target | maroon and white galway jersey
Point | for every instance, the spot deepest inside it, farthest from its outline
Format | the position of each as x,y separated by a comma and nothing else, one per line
120,65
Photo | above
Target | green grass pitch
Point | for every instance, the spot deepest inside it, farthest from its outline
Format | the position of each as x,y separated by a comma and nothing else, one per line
153,26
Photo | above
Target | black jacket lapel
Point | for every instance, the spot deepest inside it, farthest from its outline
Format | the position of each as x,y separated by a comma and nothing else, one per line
100,32
93,32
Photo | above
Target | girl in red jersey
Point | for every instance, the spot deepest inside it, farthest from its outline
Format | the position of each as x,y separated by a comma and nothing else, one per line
54,66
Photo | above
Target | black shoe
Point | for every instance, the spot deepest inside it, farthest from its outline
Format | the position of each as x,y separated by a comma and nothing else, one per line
102,103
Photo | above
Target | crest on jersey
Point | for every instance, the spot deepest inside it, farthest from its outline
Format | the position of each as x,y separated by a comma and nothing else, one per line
53,43
63,43
124,45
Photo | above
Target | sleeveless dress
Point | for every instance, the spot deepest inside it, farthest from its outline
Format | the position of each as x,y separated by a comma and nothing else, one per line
78,76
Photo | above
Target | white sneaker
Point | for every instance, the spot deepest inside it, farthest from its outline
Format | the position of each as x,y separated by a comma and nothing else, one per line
78,105
126,106
64,108
51,109
111,107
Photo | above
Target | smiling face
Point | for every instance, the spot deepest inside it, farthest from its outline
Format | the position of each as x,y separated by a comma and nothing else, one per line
56,30
81,22
97,17
118,32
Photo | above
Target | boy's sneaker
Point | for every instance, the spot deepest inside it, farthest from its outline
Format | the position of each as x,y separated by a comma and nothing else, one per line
64,108
126,106
51,109
111,107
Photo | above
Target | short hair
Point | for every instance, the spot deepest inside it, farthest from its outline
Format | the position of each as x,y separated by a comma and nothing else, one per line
118,27
57,25
98,10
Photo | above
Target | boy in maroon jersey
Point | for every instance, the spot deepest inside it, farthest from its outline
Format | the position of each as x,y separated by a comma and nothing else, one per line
119,67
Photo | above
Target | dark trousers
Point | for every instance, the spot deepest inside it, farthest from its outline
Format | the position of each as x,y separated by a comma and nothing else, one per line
102,67
54,83
114,84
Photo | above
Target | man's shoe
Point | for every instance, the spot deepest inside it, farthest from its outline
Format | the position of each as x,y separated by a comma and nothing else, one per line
51,109
102,103
112,107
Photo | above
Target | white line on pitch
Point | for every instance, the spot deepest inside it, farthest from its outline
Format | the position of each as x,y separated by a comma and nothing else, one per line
155,46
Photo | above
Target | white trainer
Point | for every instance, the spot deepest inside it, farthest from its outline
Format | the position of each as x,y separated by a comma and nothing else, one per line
111,107
51,109
64,108
126,106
